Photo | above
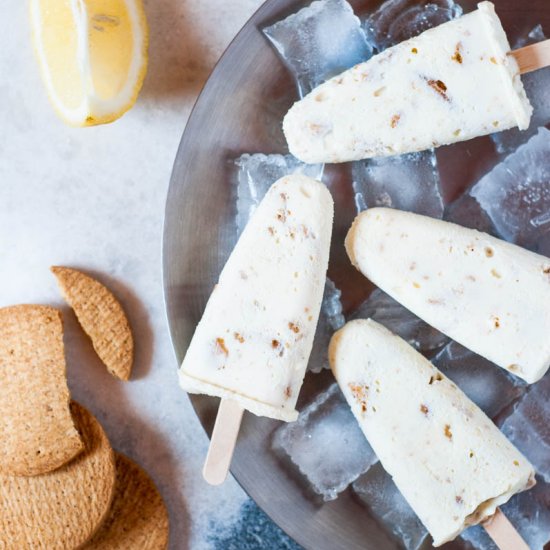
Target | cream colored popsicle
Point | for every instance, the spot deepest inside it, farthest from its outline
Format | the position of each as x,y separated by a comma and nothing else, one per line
449,84
489,295
449,461
253,342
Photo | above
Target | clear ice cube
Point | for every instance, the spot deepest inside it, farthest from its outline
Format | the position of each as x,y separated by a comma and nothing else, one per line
319,42
256,174
543,245
379,493
385,310
488,386
528,427
516,193
529,512
330,320
398,20
326,444
467,212
407,182
478,538
537,86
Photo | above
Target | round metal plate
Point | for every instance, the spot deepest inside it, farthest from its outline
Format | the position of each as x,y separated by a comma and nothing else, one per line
240,111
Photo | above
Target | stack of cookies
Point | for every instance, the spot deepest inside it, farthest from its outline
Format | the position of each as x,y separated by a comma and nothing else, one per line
61,484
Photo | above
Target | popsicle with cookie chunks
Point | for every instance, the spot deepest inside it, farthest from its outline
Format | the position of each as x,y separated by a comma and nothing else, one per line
491,296
451,83
450,462
252,345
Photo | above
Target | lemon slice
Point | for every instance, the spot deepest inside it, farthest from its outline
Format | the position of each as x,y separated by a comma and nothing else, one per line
93,56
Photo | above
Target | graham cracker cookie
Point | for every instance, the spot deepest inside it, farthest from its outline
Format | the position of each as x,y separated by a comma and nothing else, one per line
64,508
101,317
138,516
37,433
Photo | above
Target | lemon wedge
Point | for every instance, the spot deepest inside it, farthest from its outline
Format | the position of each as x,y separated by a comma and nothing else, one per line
93,56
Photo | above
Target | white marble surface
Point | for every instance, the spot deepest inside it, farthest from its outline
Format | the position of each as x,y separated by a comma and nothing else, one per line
94,198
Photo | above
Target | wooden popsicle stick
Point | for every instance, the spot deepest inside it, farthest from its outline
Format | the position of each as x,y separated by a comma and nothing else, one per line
503,533
222,442
533,57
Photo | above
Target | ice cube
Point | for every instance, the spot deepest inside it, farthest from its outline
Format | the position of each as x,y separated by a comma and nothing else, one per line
326,444
384,309
488,386
407,182
330,320
379,493
256,174
516,193
478,538
537,86
467,212
528,427
319,42
332,305
398,20
529,512
543,245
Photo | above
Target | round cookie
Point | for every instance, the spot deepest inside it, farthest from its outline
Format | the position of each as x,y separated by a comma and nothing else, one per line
37,432
64,508
138,517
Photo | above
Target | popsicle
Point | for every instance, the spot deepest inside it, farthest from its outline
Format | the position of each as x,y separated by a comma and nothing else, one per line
489,295
449,461
451,83
253,342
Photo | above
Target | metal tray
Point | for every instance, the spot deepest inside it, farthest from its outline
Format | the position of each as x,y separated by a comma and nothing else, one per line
240,111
